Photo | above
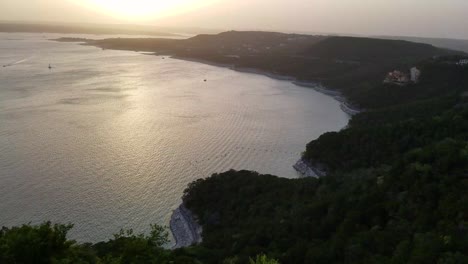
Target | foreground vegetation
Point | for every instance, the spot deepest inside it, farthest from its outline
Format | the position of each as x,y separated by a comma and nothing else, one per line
48,243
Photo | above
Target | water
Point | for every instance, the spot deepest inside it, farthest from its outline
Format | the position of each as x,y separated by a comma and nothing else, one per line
110,139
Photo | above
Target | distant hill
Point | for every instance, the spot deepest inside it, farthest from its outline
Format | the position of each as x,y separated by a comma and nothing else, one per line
453,44
372,50
255,41
258,43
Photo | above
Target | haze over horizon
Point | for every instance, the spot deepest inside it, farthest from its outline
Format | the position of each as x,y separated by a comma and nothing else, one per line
420,18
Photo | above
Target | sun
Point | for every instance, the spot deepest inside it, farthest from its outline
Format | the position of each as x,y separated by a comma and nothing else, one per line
140,10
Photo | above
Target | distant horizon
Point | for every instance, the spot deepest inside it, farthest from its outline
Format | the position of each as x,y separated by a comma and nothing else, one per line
416,18
206,30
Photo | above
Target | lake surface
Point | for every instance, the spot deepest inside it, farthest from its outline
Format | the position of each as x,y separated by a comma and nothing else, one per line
110,139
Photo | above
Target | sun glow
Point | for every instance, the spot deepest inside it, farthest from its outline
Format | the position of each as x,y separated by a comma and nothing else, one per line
144,9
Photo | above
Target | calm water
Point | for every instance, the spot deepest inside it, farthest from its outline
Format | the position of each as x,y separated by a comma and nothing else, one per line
110,139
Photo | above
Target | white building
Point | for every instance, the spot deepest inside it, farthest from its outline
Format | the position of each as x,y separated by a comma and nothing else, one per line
463,62
415,74
397,77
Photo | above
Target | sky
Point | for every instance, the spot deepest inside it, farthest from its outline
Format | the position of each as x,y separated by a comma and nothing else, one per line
421,18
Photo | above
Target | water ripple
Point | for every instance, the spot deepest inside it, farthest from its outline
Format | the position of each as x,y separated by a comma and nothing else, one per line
110,139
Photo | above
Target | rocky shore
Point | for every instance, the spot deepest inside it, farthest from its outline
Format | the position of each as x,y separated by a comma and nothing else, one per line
184,228
308,170
349,109
345,105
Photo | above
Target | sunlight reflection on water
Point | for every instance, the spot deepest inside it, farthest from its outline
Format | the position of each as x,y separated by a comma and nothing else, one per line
110,139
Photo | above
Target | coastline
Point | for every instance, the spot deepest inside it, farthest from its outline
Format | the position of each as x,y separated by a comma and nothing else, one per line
236,68
345,105
306,169
189,233
184,228
183,225
337,95
349,109
302,166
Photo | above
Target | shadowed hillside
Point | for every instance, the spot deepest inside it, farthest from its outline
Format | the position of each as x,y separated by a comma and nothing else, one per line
371,50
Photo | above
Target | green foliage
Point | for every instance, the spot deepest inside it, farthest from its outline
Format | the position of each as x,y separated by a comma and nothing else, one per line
263,259
126,247
371,50
438,79
395,193
47,243
368,143
415,209
43,243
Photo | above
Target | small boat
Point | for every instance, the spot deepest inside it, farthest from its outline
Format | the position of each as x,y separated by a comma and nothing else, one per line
50,67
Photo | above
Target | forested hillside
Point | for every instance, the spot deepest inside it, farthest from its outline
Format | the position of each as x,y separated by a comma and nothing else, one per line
401,118
395,190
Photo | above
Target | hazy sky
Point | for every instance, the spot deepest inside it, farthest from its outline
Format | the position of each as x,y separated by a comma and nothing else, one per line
430,18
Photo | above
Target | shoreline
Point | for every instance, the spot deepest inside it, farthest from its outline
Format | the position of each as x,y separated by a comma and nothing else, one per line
183,225
302,166
345,105
184,228
306,169
337,95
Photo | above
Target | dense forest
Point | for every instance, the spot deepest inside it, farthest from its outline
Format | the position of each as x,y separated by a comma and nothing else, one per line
395,190
403,118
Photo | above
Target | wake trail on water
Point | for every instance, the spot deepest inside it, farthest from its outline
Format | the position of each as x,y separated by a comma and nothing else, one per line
18,62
